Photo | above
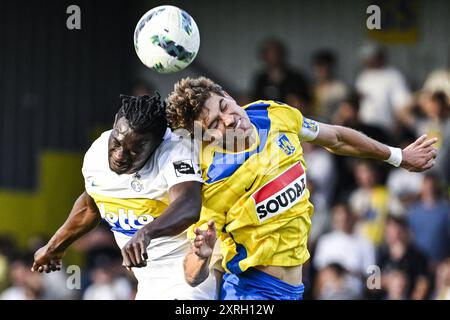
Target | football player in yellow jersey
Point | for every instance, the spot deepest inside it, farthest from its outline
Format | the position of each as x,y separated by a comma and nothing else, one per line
255,185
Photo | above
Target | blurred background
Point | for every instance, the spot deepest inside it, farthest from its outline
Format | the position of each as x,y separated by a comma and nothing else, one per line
59,90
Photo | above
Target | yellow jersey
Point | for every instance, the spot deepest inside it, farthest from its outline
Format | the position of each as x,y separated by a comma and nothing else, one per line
258,197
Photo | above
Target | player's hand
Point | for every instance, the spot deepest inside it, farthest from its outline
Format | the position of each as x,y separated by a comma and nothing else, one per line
419,155
204,241
47,261
134,253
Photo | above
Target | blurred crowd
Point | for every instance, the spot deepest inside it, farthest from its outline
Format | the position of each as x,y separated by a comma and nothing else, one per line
378,232
99,277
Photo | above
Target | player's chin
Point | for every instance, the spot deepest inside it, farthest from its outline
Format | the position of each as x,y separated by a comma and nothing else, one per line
120,169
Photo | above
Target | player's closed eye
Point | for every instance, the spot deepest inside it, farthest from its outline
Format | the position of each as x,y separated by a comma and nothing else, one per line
214,124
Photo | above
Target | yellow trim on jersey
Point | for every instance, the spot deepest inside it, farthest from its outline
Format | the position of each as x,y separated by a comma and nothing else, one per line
126,215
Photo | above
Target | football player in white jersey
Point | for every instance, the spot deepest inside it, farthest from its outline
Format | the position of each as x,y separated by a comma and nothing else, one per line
145,182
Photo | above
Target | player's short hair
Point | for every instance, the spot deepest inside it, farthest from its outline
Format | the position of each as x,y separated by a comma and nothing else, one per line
185,103
144,114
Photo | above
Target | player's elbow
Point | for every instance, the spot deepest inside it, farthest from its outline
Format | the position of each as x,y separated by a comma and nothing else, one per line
194,208
335,142
194,281
190,207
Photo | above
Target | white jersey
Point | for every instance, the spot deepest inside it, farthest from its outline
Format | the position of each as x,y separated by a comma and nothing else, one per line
127,202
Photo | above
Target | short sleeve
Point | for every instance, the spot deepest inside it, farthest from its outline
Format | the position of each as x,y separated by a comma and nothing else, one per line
94,162
309,130
182,163
87,173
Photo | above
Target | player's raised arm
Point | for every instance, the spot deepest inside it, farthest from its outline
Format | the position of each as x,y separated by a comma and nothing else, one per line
196,262
184,210
83,218
416,157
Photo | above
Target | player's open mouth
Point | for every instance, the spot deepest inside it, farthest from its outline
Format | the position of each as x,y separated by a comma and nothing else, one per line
120,166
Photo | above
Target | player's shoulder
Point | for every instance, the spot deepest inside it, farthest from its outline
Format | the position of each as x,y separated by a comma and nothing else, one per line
174,141
273,106
282,116
97,154
174,146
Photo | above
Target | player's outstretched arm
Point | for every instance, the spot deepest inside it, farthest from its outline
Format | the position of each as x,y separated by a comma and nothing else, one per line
83,218
196,262
184,210
416,157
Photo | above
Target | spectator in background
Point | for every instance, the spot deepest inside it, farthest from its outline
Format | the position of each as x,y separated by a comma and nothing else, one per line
328,91
382,88
443,158
278,81
428,113
396,285
25,285
105,285
343,246
321,181
372,202
97,246
334,283
398,253
429,220
347,114
8,250
403,184
54,284
320,221
442,281
321,170
438,80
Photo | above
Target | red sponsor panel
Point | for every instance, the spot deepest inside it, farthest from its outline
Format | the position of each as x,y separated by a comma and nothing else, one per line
277,184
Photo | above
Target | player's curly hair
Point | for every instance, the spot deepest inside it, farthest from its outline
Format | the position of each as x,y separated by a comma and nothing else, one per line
185,103
144,114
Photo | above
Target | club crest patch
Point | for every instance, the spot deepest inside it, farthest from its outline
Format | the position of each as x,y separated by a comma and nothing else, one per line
285,145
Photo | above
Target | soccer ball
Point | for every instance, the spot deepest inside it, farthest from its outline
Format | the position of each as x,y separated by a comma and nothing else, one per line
166,39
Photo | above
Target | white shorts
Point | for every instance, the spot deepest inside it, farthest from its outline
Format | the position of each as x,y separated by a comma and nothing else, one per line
164,280
163,277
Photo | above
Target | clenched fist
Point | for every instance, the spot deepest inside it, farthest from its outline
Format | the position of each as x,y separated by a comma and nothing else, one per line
45,260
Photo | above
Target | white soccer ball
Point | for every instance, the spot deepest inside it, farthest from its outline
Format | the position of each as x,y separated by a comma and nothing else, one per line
166,39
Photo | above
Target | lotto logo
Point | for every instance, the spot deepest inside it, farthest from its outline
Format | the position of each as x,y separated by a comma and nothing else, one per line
124,220
281,193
